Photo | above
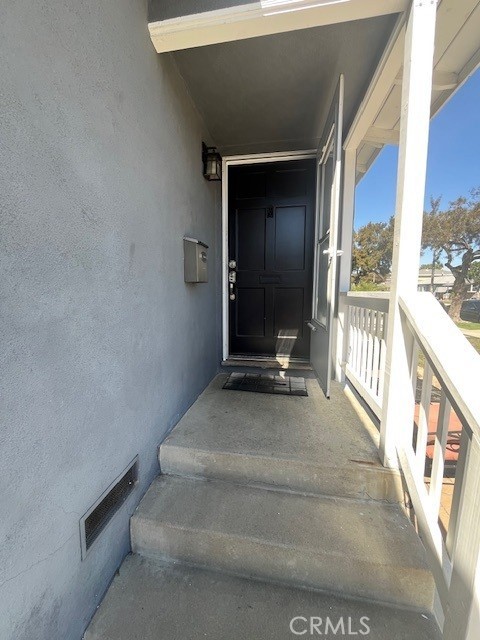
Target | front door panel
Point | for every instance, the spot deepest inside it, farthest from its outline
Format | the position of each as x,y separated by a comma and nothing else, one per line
271,225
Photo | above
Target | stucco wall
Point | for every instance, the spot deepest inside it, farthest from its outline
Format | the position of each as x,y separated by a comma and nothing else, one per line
103,346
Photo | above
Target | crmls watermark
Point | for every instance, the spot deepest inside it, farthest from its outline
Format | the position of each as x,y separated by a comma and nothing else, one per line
343,626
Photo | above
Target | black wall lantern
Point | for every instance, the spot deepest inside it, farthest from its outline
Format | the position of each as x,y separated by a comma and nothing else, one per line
212,163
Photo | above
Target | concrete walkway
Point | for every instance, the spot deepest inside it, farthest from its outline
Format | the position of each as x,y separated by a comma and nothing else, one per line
471,333
270,509
327,447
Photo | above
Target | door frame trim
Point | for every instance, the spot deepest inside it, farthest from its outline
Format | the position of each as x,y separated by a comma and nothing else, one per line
231,161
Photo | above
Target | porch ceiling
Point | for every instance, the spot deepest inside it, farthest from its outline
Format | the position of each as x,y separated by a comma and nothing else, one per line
273,93
168,9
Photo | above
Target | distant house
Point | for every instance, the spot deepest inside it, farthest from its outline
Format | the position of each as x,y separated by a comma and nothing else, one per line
442,281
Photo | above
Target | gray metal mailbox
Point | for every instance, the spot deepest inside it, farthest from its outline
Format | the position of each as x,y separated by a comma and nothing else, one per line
196,260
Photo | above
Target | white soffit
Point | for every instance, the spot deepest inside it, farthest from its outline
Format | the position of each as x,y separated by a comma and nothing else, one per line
262,18
457,56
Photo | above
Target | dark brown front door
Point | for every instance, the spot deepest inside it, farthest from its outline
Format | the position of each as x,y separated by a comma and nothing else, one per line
271,228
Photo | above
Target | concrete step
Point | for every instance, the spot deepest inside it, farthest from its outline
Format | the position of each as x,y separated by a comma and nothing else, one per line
310,445
356,548
149,600
357,480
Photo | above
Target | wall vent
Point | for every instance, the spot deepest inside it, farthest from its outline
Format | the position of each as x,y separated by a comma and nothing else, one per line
99,515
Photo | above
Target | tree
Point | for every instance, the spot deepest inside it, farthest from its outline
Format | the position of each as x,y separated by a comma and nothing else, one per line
367,285
372,252
455,232
474,275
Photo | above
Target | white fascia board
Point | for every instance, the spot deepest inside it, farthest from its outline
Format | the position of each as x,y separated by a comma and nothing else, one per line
384,77
252,20
272,7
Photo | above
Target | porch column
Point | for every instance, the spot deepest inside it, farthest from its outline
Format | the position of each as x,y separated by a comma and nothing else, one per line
345,269
399,395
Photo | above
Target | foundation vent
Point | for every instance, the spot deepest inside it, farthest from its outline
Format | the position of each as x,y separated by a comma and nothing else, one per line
99,515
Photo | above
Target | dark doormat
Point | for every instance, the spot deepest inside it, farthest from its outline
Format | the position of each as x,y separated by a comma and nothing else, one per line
265,383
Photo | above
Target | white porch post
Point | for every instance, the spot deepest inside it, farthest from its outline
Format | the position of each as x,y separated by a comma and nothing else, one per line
398,405
345,269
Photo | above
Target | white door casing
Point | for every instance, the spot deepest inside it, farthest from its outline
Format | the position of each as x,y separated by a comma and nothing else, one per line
329,182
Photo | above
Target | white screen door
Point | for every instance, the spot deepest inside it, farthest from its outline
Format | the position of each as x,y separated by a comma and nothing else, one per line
329,180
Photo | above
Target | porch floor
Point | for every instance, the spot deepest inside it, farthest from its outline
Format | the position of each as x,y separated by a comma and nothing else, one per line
311,444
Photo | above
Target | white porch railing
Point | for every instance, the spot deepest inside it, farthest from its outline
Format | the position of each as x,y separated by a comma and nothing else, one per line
451,370
366,321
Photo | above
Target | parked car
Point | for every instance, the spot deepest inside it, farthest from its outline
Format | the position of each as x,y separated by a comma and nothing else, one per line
470,310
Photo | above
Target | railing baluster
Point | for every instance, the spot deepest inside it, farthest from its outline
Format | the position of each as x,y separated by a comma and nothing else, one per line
369,365
358,350
358,355
457,489
366,331
347,349
360,340
351,350
355,338
383,356
423,418
361,313
376,353
363,361
438,465
408,427
353,353
414,366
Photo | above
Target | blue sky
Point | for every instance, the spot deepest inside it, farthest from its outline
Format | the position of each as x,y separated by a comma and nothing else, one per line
453,159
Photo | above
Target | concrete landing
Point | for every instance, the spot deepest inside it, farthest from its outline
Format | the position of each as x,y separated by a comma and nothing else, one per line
154,601
357,548
303,444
